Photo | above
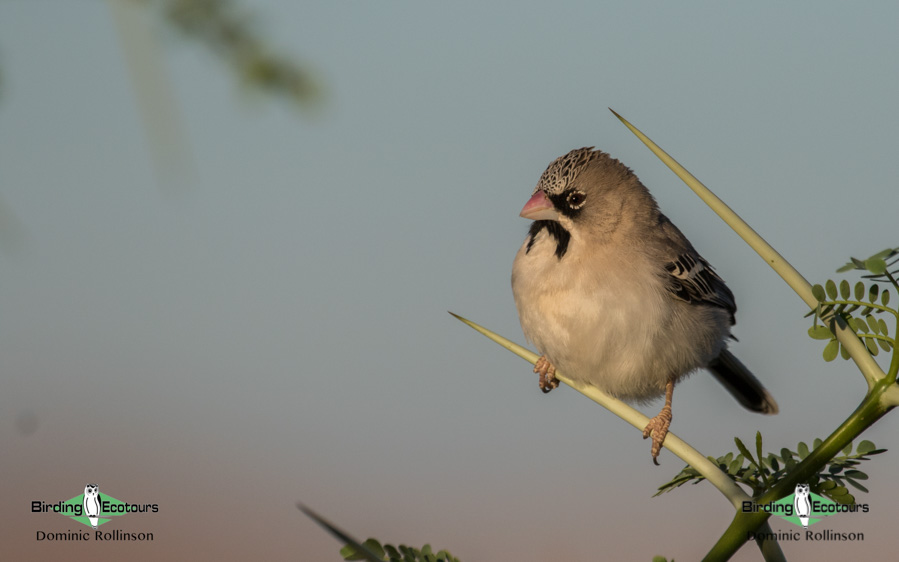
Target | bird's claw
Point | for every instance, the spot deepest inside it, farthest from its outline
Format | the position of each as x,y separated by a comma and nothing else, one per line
547,372
658,428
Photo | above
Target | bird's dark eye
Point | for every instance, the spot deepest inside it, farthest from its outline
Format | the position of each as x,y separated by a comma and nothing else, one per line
576,199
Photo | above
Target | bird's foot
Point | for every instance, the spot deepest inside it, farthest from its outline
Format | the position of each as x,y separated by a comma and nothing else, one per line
658,428
547,372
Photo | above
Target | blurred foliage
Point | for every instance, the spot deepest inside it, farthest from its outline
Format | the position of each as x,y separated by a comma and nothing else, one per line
228,30
373,551
761,472
401,553
861,307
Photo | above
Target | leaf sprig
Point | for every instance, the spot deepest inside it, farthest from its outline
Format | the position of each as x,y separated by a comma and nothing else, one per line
861,307
877,264
760,472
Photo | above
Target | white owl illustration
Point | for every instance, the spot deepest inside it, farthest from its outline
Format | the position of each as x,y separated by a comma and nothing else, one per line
802,503
92,503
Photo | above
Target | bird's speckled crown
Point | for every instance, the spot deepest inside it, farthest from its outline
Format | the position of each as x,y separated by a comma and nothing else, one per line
562,171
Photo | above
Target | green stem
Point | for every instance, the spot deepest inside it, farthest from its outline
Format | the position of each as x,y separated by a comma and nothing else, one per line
872,408
859,304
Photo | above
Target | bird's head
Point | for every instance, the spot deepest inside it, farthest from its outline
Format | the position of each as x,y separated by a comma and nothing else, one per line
588,189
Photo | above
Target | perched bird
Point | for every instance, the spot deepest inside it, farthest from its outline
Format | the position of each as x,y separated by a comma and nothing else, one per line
614,295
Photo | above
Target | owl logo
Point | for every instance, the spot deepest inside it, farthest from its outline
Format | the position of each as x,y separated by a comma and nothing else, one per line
802,504
92,503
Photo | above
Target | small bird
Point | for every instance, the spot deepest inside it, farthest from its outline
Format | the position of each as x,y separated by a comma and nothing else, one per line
614,295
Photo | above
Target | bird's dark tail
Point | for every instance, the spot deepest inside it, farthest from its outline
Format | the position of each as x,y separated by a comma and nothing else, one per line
742,384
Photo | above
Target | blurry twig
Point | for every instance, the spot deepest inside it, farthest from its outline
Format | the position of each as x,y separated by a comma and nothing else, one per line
153,90
226,31
230,35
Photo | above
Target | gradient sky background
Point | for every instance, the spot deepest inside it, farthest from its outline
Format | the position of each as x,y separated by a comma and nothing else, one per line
275,330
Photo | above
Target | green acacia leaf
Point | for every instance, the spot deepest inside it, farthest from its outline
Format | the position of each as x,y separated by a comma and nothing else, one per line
758,448
877,266
844,289
857,474
802,450
818,292
884,345
873,291
856,485
860,325
745,452
847,450
859,291
831,289
884,329
786,454
885,254
820,333
872,323
409,554
885,297
872,347
735,465
828,485
831,350
865,447
374,546
816,443
841,494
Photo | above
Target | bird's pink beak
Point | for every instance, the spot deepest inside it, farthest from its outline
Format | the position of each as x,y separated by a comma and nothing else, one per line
539,208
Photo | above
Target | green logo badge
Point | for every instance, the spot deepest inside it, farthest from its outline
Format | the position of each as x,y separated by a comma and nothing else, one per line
803,508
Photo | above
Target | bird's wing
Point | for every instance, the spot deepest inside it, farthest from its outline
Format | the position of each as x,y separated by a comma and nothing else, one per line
691,278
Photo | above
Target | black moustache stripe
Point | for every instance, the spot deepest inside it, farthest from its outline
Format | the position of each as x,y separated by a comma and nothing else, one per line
562,236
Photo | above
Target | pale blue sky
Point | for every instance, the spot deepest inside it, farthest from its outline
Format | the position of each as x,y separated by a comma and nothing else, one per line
277,330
